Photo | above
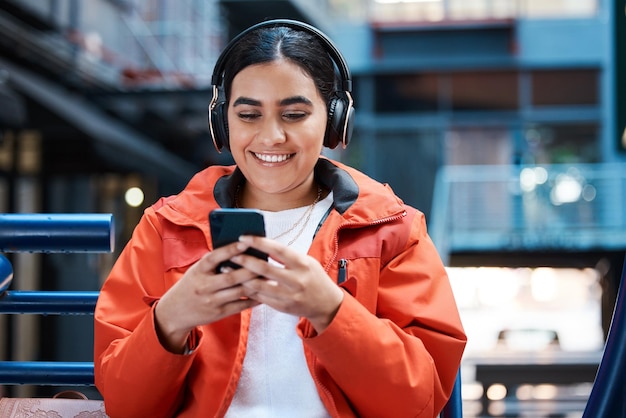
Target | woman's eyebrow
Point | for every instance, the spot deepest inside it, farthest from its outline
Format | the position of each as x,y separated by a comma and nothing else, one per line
246,101
295,100
284,102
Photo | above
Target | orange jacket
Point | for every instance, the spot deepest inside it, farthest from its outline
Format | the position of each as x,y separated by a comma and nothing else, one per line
393,349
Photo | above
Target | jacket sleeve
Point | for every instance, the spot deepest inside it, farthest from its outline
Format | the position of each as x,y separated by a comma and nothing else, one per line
134,373
402,360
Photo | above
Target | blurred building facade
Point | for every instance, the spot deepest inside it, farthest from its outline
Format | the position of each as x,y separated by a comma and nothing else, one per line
502,120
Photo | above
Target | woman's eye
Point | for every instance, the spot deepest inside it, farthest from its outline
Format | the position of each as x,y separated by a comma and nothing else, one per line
294,115
248,116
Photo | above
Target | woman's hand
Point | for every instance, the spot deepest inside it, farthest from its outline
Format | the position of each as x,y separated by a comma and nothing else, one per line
202,296
301,287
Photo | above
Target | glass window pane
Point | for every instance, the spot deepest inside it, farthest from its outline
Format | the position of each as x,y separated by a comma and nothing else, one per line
478,145
487,90
559,8
561,144
406,93
564,87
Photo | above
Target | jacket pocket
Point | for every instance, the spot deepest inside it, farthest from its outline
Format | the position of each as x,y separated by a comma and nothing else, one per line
360,277
343,280
182,246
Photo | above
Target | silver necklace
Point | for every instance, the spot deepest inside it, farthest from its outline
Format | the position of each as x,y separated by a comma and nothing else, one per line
306,217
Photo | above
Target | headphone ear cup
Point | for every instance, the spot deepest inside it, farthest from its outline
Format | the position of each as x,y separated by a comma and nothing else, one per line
219,122
349,126
339,126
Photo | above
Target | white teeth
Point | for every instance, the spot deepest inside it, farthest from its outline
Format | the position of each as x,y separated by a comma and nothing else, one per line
273,158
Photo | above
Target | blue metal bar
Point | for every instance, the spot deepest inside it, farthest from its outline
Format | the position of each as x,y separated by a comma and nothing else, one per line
56,233
454,406
48,302
607,395
46,373
6,273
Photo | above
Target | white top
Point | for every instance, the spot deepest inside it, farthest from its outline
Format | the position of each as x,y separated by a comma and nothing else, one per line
275,381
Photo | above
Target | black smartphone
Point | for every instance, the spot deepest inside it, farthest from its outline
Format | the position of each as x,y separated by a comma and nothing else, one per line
228,224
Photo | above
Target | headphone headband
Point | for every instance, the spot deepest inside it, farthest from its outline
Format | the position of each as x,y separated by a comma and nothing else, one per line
346,80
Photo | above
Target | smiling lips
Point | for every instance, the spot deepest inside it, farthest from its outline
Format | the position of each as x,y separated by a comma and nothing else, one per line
273,158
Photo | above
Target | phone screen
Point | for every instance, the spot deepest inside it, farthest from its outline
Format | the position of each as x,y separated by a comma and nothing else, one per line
228,224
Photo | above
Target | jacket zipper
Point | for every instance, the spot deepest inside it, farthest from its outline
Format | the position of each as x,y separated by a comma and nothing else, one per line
329,395
376,222
343,267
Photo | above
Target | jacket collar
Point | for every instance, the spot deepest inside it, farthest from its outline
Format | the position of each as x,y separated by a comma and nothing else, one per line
357,198
345,190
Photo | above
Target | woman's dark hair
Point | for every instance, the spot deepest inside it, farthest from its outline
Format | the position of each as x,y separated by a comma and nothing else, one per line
273,43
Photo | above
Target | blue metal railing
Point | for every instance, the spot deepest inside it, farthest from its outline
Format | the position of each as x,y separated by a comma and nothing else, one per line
6,273
607,395
48,302
50,233
454,406
46,373
56,233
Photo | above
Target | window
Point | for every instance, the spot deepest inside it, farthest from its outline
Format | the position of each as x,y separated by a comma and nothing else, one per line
484,90
407,93
561,143
564,87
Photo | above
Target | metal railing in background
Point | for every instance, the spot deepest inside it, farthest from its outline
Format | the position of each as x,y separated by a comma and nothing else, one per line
454,406
607,395
430,12
58,233
113,45
6,273
563,207
57,52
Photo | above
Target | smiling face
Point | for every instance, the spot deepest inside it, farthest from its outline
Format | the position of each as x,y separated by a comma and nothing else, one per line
276,121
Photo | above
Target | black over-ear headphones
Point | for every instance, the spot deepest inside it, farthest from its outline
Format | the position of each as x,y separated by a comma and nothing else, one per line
340,106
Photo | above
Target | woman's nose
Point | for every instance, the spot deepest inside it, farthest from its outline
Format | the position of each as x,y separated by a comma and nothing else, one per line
272,132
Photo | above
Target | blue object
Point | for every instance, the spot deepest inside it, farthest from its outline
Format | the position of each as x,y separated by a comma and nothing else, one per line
609,389
48,302
46,373
6,273
454,406
51,233
56,233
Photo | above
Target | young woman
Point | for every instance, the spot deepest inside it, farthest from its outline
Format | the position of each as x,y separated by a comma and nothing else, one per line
352,315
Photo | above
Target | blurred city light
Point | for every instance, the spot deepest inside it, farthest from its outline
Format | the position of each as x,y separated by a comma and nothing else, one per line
134,197
530,178
544,284
567,189
496,392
